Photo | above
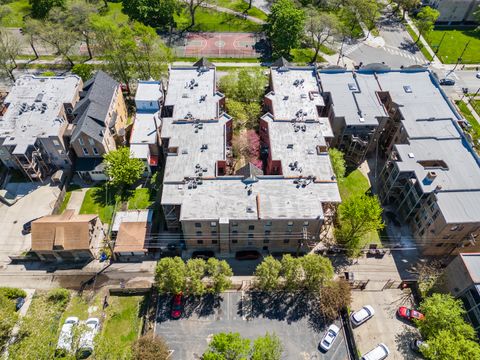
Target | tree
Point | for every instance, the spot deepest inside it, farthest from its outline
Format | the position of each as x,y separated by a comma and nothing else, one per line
227,346
192,8
443,312
245,85
149,347
41,8
368,11
447,345
268,347
335,296
85,71
285,26
321,27
219,273
358,215
316,271
291,272
338,162
78,18
122,170
9,50
170,275
154,13
267,274
426,18
195,272
31,28
405,5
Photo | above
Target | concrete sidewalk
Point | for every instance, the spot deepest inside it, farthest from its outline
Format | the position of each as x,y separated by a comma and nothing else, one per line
76,200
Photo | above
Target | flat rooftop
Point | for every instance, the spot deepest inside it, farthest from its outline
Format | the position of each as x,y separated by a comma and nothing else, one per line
192,93
295,94
141,216
472,263
149,91
354,97
34,108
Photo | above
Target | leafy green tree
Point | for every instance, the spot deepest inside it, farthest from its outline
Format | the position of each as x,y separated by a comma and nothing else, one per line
192,6
41,8
335,296
85,71
150,347
170,275
426,19
444,312
154,13
285,26
291,272
31,27
219,272
321,27
358,215
405,5
121,169
268,347
369,12
316,271
78,18
267,274
338,162
227,346
9,50
447,345
195,272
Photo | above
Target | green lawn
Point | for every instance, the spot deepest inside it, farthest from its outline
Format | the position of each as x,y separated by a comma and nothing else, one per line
101,201
422,48
141,199
84,307
304,56
240,6
212,21
357,183
19,8
454,43
67,197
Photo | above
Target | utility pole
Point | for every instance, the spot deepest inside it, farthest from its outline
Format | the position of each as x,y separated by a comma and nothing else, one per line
461,55
440,43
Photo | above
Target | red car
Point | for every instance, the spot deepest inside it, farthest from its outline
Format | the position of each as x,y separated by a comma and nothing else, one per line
410,314
177,306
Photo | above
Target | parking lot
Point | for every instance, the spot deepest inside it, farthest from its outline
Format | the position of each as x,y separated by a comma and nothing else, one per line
384,326
291,317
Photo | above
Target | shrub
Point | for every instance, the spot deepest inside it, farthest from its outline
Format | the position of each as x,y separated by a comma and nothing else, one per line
59,296
12,293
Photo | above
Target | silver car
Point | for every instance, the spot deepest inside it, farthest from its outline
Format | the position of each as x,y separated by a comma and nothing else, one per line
362,315
329,337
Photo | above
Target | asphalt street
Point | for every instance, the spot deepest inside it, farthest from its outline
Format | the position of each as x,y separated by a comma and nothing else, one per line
293,319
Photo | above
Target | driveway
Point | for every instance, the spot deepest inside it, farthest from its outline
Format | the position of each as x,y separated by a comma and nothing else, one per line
292,318
384,327
37,203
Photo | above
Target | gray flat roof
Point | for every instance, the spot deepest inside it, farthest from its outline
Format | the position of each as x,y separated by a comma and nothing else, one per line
34,106
295,93
472,262
131,216
192,93
144,133
354,97
271,198
149,90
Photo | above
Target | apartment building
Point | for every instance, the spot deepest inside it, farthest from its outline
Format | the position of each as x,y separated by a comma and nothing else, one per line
100,122
277,208
144,136
453,12
33,124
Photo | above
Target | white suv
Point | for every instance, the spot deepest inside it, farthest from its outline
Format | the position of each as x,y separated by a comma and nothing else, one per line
86,345
362,315
66,334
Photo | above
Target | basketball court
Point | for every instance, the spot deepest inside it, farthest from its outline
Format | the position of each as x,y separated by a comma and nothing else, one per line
222,45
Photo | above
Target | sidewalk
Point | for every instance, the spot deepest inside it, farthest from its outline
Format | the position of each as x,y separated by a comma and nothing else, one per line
76,200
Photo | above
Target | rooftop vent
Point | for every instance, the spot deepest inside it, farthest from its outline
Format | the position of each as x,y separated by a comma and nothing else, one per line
407,89
411,155
290,146
285,97
249,209
185,151
361,119
39,97
352,86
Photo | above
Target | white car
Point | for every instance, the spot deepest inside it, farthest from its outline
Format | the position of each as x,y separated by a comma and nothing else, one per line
362,315
66,334
86,342
379,353
329,337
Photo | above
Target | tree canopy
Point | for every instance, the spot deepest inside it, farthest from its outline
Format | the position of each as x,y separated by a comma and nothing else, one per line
41,8
267,274
426,18
338,162
122,170
285,27
154,13
268,347
150,347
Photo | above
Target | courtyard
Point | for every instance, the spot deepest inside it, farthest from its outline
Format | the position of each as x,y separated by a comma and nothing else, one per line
292,318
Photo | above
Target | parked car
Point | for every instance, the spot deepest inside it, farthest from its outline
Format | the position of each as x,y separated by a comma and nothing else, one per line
417,344
362,315
329,337
86,342
205,254
27,227
379,353
247,255
19,303
447,82
177,306
65,339
409,314
478,75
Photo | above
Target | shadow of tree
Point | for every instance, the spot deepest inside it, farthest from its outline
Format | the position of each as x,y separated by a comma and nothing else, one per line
403,341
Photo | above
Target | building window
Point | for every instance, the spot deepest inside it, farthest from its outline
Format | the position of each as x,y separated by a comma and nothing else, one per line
234,232
251,227
250,243
234,241
80,141
214,233
198,225
56,142
234,224
266,241
214,241
250,236
90,140
267,232
213,224
199,241
286,241
95,151
85,151
268,224
305,223
199,233
290,223
440,244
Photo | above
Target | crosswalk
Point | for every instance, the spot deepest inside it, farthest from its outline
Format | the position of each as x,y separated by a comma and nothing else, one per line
349,49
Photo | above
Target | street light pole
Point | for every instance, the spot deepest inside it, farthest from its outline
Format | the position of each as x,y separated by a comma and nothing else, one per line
440,43
461,55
